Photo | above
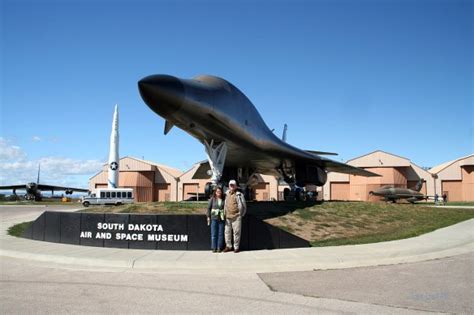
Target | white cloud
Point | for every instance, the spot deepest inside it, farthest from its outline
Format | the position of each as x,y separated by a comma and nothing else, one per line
16,168
36,139
10,152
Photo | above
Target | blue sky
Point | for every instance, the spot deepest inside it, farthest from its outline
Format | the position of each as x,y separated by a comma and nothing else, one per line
346,76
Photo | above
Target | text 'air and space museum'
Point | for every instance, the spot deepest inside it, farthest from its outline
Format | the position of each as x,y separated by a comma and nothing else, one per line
156,182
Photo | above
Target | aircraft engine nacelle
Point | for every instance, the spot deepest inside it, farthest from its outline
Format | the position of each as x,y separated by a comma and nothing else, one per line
311,174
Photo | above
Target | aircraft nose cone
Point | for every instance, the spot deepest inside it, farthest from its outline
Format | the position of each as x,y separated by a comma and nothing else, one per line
164,94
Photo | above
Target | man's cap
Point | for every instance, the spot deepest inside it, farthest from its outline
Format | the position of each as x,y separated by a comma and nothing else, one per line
232,182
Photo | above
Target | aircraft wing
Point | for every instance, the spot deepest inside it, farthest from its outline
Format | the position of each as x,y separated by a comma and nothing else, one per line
204,167
320,152
334,166
56,188
13,187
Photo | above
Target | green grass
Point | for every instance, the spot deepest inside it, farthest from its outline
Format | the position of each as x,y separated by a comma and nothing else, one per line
18,229
344,223
450,203
196,207
306,213
460,203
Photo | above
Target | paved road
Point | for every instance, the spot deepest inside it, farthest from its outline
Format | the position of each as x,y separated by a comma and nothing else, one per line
30,288
13,213
444,285
36,286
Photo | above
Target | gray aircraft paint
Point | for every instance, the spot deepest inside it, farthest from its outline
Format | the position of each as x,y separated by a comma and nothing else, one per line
211,108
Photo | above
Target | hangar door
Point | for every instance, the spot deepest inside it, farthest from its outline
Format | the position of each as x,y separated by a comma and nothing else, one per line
190,190
453,189
162,192
339,191
262,191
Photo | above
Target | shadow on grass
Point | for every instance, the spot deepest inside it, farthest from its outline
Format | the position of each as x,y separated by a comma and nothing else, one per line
271,209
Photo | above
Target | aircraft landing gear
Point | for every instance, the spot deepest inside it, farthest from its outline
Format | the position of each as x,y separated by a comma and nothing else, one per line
294,194
216,154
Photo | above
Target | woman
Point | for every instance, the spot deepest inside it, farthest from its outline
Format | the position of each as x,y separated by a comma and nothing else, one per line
215,218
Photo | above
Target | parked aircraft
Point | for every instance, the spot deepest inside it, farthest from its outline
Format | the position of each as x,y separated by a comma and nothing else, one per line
390,193
237,141
33,190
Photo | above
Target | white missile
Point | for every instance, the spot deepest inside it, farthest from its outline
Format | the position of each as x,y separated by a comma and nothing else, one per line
113,172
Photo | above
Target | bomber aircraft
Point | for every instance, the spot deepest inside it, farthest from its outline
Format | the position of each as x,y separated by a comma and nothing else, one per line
390,193
237,141
33,190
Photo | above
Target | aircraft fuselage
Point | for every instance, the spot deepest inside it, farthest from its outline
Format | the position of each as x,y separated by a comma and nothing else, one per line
221,117
393,194
210,108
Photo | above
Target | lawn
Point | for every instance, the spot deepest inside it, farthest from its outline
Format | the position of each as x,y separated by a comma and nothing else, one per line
342,223
18,229
195,207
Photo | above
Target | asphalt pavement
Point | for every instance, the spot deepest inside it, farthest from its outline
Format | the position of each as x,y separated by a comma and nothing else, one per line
441,285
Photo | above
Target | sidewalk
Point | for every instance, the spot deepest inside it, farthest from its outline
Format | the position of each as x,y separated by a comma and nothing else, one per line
445,242
452,207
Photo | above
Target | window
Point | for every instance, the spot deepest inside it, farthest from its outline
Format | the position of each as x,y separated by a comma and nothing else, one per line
113,194
129,194
119,194
107,194
102,194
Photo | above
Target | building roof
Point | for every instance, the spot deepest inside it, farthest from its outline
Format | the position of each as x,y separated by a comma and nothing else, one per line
168,169
366,160
174,172
377,151
439,168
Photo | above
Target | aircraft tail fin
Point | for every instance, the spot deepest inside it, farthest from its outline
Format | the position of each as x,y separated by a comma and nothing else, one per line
39,170
283,136
419,185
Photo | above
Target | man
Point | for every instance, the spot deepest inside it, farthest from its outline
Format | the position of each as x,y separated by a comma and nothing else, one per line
234,208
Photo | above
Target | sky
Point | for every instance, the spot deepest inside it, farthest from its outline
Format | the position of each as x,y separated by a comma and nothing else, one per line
346,76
